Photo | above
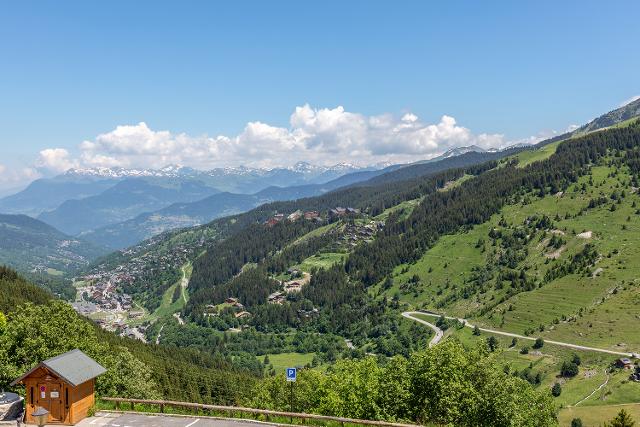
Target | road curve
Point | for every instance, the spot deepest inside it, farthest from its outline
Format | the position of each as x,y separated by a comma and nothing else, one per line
439,332
509,334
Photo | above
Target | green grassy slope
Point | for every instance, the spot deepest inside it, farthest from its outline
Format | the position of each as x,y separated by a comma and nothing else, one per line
596,307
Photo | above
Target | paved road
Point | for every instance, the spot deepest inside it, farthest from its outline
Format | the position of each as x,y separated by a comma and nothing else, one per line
509,334
439,332
148,420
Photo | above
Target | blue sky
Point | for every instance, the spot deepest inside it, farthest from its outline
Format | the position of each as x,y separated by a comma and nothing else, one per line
72,71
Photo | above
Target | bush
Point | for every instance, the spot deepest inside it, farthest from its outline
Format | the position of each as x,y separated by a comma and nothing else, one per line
556,390
569,369
576,359
538,344
492,343
446,384
576,422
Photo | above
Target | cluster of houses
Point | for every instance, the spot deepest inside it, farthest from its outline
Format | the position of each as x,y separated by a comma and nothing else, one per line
356,233
337,212
102,294
291,286
295,216
628,364
240,312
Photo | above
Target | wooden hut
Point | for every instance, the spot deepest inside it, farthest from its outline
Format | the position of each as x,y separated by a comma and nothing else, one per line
64,385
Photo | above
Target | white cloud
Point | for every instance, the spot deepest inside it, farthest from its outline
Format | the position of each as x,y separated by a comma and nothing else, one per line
14,178
55,160
321,136
630,100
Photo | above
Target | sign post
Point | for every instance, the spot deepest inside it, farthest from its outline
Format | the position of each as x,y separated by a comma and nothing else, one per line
292,376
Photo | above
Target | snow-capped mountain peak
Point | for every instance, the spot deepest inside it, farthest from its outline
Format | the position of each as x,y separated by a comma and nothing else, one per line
463,150
175,170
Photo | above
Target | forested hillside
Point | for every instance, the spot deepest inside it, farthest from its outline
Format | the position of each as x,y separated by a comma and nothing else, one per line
513,244
34,327
494,243
44,253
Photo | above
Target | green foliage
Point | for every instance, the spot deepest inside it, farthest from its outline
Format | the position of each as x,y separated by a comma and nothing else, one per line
445,384
37,328
556,390
623,419
28,243
14,290
569,369
492,343
576,422
37,332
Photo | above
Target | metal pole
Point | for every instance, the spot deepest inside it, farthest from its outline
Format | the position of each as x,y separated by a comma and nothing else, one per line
291,406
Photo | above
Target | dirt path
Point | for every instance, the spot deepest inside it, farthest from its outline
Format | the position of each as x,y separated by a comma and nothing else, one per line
159,334
184,284
509,334
606,381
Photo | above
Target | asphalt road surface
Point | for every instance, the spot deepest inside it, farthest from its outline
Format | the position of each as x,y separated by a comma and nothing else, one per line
151,420
439,333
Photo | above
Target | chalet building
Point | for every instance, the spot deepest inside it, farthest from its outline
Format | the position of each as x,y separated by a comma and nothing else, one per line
337,212
311,215
64,385
293,286
271,222
295,216
624,363
242,315
134,314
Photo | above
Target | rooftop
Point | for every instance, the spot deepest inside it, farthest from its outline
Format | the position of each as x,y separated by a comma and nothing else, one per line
74,367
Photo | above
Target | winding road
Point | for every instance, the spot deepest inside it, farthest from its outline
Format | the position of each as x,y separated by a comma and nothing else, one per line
439,334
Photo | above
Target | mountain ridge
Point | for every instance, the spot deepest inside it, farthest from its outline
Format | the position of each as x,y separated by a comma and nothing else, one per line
31,246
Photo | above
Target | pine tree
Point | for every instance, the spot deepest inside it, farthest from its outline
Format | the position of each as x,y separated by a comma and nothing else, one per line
623,419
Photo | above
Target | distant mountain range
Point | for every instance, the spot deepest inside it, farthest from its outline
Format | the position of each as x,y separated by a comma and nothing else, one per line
189,214
125,200
47,194
82,200
116,207
180,215
239,179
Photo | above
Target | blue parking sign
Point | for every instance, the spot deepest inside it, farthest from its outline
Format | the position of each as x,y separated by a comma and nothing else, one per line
292,374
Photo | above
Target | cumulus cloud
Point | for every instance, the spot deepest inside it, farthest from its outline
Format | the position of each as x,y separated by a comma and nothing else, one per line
321,136
55,160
